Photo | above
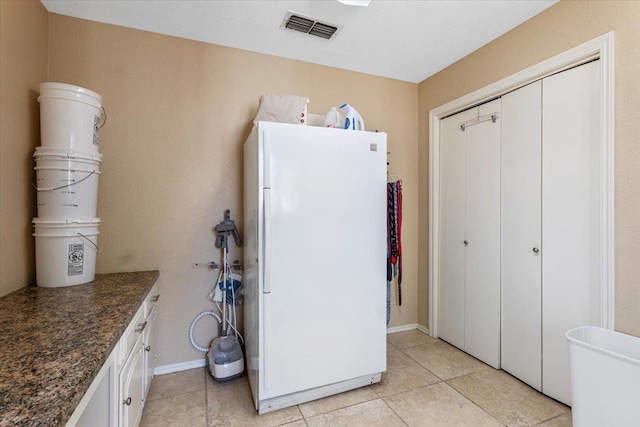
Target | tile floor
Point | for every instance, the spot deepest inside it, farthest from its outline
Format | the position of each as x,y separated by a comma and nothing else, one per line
428,383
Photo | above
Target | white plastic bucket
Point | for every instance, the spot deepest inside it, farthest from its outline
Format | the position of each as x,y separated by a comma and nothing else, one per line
67,187
65,251
70,117
604,367
67,154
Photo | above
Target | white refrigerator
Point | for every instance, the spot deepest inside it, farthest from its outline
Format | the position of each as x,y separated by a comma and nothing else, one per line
315,261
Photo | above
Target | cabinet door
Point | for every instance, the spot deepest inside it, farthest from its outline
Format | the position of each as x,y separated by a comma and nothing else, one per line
482,272
99,411
150,349
521,219
132,387
453,160
571,216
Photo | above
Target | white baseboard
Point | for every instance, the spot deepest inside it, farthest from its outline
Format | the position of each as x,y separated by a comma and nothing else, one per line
423,329
177,367
200,363
402,328
409,327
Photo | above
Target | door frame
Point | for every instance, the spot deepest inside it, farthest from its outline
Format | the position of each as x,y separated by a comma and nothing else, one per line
602,48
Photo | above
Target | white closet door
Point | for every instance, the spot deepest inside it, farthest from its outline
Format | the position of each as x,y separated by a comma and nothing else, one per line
571,216
482,289
453,153
521,234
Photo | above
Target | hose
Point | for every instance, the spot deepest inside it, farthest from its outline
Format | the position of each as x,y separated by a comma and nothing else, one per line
193,325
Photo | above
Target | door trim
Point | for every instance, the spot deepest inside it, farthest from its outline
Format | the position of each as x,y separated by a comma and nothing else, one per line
602,48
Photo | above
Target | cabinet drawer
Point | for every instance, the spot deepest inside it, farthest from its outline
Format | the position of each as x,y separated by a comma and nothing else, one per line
135,330
150,301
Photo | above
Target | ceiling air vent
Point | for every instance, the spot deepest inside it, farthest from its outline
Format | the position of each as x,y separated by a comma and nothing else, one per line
308,25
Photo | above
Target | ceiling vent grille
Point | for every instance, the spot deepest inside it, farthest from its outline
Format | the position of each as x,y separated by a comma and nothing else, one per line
305,24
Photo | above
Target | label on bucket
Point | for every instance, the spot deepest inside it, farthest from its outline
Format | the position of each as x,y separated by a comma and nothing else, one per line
96,130
76,259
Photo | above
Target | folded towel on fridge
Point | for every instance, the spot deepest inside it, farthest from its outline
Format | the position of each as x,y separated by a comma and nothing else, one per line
282,109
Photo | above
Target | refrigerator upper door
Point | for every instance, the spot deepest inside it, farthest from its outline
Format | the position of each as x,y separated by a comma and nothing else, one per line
324,318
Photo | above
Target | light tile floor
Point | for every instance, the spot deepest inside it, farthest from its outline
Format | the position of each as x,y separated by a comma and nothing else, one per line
428,383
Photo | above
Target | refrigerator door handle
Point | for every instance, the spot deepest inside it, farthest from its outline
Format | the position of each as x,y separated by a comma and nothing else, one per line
266,179
267,242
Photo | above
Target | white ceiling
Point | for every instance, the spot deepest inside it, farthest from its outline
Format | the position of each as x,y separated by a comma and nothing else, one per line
405,40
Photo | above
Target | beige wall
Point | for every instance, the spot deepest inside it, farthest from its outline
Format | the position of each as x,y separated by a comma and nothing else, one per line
178,114
555,30
23,65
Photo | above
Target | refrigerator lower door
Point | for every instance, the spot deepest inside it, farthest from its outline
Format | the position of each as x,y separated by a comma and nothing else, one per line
323,294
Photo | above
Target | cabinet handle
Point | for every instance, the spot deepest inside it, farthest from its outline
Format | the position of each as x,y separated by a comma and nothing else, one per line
536,250
155,298
466,242
127,402
147,348
141,326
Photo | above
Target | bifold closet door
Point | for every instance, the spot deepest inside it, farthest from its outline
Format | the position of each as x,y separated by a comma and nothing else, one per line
453,163
482,277
521,220
469,276
570,216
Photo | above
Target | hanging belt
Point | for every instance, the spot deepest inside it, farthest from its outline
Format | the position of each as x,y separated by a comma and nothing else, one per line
394,223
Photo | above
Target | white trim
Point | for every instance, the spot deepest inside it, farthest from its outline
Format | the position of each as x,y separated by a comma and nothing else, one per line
402,328
602,47
424,329
275,403
607,173
178,367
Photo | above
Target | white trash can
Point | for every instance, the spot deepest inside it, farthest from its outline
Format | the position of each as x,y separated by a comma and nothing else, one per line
604,366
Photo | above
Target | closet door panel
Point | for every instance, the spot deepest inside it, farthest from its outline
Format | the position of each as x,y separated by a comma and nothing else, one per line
482,290
521,320
571,216
452,228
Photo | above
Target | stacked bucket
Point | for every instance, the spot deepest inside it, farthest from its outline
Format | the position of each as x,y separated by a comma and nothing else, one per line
67,170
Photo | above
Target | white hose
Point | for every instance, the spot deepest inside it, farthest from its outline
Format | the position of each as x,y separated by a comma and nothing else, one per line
231,327
193,325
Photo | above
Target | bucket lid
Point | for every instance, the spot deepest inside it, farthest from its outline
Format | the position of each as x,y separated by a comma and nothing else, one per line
70,88
67,154
52,222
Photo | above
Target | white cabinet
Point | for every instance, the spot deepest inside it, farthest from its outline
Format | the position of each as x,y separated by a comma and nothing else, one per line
150,343
116,396
132,390
98,407
469,297
139,360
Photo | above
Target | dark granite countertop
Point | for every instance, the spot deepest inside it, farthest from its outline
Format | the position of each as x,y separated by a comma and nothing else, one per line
53,342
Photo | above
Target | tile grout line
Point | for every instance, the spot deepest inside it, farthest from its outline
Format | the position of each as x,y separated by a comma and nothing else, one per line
422,366
552,418
472,401
512,377
447,379
342,407
393,410
206,400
